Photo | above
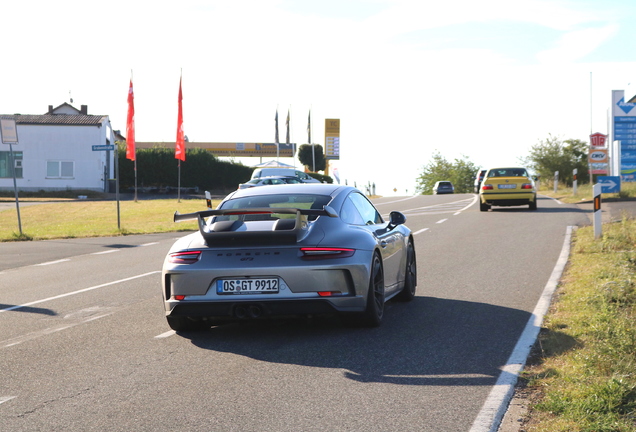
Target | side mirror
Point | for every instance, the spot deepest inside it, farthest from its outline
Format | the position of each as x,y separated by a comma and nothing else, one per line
396,218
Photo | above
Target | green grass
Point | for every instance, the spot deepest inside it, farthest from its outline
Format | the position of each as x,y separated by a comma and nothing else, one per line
583,376
85,218
584,192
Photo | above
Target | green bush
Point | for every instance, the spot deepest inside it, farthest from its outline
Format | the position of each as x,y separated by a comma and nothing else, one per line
158,168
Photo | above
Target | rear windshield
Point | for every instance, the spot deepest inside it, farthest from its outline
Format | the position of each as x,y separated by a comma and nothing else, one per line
299,201
508,172
445,184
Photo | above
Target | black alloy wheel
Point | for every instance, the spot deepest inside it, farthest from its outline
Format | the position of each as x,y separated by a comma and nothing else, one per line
410,276
372,316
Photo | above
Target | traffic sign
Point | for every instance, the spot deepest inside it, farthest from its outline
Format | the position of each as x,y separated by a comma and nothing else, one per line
8,131
104,147
609,184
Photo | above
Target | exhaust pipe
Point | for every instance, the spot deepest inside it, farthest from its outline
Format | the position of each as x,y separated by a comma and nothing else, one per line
255,311
240,312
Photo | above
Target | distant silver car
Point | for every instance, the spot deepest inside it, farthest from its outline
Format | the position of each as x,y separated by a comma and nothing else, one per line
266,181
288,250
443,187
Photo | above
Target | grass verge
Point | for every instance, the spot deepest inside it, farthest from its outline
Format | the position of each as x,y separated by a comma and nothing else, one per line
582,374
584,193
85,218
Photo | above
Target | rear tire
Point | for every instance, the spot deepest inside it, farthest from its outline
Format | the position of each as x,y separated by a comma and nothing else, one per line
484,207
372,316
533,204
181,323
410,276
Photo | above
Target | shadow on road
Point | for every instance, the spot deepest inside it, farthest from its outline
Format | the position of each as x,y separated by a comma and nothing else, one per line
540,209
430,341
27,309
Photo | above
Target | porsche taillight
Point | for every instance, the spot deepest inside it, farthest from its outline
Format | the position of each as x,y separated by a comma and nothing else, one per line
185,257
325,252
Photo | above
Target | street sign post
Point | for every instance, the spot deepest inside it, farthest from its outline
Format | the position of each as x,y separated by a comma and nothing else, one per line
609,184
9,133
105,147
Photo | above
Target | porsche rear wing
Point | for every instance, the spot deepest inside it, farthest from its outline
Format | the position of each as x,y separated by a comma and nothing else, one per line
284,231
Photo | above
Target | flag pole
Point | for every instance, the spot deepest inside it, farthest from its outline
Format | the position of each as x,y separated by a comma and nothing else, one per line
276,140
313,153
135,149
131,152
180,141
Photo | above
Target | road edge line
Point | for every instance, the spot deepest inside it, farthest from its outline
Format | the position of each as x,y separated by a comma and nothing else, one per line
496,405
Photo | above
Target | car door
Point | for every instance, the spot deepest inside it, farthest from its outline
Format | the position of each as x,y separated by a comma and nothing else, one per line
390,241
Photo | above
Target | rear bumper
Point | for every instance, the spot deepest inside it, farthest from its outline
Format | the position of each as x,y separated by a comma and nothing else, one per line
507,199
245,309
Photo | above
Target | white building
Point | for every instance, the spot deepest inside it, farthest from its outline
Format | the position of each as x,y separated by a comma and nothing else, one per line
62,149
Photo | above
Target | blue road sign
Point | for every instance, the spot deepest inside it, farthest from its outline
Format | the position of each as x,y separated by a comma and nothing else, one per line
104,147
609,184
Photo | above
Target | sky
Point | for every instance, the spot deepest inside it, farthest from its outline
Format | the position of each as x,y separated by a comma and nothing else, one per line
483,80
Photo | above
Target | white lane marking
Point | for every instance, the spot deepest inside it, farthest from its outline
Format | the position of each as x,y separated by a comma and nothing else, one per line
420,231
4,399
451,207
475,199
34,335
553,199
391,202
166,334
455,214
497,402
441,221
106,252
148,244
79,291
52,262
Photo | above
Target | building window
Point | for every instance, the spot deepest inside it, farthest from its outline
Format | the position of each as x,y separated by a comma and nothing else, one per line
60,169
5,164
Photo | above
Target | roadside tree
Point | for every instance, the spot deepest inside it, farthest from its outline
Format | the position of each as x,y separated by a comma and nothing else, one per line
553,154
460,172
306,157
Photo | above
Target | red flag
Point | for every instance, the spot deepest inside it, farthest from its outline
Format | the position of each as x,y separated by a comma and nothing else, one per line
179,152
130,125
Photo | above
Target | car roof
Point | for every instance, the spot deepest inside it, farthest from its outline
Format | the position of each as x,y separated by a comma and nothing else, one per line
306,188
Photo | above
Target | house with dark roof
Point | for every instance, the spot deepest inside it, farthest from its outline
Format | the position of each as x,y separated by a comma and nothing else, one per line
65,148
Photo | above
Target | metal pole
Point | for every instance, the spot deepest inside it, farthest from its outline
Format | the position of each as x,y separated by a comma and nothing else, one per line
117,184
15,188
135,178
179,184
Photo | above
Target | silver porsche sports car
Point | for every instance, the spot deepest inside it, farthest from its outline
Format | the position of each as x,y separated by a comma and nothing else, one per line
288,250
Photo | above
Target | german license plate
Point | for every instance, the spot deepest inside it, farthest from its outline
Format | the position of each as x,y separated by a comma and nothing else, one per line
507,186
247,286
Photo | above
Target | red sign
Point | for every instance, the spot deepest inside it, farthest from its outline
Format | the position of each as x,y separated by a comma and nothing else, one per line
598,140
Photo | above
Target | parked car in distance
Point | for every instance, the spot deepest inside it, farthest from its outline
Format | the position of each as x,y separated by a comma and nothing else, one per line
478,179
443,187
288,250
266,181
284,172
507,187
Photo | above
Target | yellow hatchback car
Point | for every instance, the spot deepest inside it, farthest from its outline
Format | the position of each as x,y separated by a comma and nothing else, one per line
507,187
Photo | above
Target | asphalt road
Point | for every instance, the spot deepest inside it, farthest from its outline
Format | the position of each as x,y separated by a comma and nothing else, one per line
84,344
